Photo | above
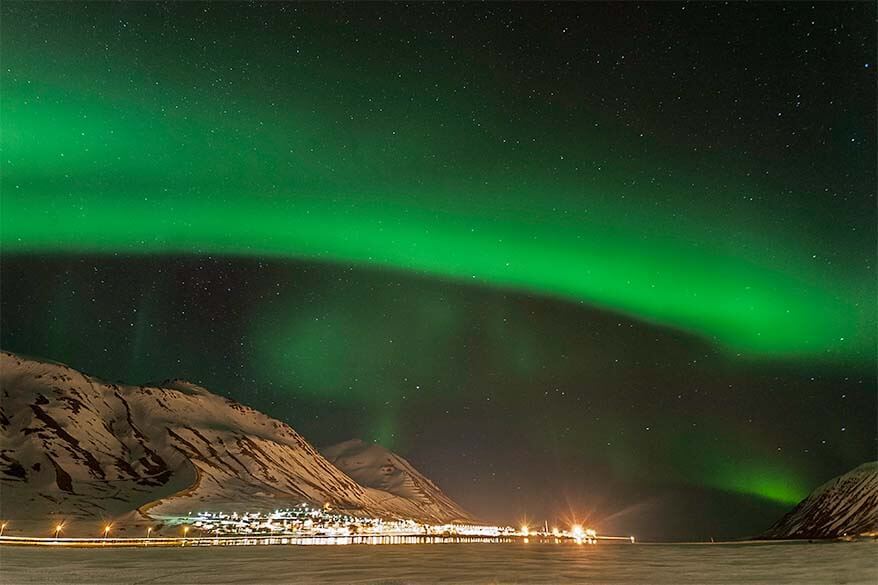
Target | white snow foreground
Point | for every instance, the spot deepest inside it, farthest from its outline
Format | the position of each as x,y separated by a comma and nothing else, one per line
844,506
81,451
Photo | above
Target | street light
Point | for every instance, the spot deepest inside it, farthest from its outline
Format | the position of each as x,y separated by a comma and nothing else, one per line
3,527
107,530
148,531
58,529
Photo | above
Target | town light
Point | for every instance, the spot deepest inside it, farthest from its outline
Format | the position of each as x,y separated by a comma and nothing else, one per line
311,523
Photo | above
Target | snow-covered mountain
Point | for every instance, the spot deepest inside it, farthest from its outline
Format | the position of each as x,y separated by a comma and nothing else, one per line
374,466
74,447
844,506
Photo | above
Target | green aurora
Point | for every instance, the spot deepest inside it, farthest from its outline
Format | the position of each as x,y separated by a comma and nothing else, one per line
104,173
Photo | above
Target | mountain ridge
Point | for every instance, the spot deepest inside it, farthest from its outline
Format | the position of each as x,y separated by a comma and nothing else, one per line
371,465
846,505
77,447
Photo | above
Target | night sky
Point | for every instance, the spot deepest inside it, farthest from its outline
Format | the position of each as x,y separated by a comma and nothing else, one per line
610,262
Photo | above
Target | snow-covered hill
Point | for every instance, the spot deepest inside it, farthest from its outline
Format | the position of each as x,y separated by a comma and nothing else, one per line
77,448
374,466
844,506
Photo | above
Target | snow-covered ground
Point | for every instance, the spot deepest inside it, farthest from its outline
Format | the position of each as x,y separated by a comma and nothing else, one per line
772,563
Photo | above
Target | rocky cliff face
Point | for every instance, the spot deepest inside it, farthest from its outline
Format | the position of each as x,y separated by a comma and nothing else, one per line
75,447
844,506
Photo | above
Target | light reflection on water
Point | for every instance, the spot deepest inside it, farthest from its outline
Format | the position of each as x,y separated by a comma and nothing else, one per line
342,540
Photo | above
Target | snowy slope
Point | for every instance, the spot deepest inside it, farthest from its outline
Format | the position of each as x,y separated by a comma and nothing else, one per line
374,466
77,448
846,505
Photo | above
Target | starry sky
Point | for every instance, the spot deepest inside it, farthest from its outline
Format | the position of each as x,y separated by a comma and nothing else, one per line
604,262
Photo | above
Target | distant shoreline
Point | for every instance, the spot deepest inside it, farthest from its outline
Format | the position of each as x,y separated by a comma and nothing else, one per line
318,540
